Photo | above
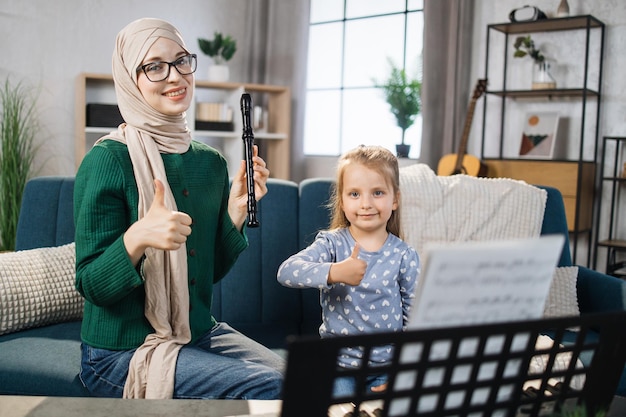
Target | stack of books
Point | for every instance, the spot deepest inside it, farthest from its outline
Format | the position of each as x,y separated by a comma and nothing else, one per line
214,116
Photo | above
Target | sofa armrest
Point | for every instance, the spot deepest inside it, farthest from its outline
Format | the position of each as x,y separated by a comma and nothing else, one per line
598,292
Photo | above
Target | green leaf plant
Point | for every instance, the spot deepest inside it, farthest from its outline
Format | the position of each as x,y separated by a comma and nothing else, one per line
221,48
18,125
525,46
403,94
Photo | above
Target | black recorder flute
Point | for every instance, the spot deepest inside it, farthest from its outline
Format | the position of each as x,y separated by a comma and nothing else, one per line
248,142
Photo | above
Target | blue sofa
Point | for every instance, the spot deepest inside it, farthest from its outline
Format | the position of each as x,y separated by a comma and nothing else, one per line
45,360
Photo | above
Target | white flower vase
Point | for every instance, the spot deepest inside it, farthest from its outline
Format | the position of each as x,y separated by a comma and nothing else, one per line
218,73
563,9
542,79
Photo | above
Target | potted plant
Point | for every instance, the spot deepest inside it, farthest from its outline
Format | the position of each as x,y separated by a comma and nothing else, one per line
525,46
18,126
221,48
403,94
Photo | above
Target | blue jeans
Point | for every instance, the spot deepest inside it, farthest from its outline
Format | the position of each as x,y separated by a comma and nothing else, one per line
345,386
222,364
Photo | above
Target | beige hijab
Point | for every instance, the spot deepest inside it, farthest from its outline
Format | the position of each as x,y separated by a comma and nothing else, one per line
148,133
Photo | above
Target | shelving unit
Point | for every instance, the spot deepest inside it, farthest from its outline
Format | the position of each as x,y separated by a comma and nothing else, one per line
576,98
273,140
612,183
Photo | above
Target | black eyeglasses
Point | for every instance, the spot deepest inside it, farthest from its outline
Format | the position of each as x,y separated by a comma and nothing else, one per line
160,70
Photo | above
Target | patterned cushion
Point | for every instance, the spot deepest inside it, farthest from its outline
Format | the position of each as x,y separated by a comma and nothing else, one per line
37,288
562,297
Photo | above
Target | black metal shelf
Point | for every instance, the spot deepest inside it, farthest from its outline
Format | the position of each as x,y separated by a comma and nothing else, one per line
612,181
616,179
615,243
556,160
586,92
546,93
549,25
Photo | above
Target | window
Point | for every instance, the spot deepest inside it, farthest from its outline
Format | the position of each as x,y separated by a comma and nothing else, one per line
350,45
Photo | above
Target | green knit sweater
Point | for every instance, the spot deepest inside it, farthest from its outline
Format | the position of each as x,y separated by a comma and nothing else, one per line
105,205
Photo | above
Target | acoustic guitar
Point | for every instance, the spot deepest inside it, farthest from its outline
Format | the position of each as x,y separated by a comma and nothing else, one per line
461,162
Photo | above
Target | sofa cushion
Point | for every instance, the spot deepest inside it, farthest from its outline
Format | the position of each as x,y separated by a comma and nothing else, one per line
46,215
313,215
42,361
37,288
250,298
562,298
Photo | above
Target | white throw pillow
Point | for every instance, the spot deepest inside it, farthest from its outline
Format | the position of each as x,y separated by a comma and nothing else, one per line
37,288
562,298
459,208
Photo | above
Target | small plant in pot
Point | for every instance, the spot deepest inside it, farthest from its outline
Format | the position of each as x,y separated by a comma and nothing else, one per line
542,79
403,94
221,49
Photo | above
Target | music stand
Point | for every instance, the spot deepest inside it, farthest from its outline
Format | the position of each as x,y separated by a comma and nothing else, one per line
477,370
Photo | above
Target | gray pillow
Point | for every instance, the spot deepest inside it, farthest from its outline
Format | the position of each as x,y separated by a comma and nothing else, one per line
37,288
562,298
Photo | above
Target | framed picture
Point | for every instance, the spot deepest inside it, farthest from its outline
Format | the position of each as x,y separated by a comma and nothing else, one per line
539,135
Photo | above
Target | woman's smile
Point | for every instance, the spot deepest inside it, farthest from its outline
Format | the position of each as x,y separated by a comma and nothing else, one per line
177,93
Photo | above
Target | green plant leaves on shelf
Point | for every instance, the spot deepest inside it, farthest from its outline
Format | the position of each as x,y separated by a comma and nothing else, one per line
221,48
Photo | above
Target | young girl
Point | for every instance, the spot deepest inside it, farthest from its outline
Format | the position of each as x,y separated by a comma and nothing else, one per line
365,273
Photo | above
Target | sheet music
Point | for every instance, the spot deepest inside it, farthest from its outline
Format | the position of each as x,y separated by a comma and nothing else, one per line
478,283
484,282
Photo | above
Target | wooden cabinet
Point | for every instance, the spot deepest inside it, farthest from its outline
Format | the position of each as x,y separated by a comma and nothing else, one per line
562,175
273,138
576,98
611,231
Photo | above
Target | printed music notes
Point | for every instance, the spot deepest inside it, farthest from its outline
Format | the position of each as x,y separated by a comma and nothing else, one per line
483,282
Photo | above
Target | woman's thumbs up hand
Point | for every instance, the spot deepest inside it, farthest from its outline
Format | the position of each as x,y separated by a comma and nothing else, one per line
161,228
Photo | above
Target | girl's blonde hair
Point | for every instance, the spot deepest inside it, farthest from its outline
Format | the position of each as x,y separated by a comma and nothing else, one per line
377,159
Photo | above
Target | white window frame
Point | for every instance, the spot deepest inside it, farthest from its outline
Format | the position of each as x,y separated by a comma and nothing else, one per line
334,123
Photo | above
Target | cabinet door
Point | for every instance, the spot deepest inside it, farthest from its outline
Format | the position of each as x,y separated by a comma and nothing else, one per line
562,175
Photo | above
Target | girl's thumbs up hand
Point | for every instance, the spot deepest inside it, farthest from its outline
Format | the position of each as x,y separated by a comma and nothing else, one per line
349,271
